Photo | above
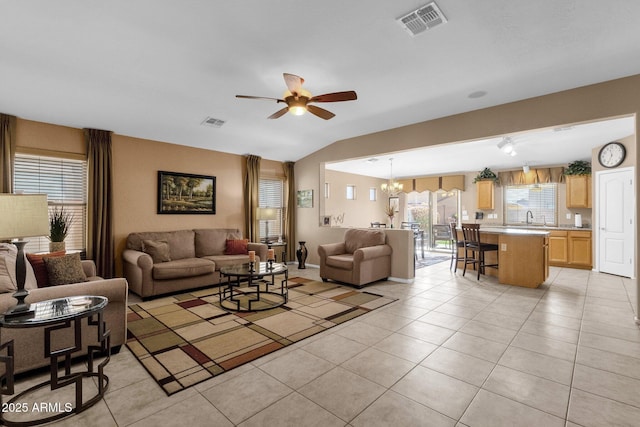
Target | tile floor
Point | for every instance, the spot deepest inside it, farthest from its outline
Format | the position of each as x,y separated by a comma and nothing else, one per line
452,351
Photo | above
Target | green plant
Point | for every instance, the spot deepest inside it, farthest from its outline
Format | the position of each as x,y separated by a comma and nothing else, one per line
579,167
59,224
486,173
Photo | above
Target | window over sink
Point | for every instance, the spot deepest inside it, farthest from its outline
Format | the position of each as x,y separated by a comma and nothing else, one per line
534,204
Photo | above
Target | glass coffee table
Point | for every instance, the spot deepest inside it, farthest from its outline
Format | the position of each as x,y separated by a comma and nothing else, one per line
256,295
53,315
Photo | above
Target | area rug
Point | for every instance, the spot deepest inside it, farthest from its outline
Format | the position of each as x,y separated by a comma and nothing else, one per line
184,339
431,260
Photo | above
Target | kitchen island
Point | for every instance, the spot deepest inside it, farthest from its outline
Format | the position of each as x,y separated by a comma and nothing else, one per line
523,255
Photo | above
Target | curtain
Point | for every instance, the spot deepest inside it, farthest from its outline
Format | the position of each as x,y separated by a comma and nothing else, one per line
100,240
251,200
290,213
7,151
534,176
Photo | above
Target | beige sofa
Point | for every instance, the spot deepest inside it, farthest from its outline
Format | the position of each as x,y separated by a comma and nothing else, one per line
29,343
363,257
195,260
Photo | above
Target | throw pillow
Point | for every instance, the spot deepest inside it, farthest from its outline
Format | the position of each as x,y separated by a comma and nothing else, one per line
65,270
158,249
40,270
236,247
8,254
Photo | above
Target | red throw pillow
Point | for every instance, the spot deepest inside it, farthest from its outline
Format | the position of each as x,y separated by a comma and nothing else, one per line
236,247
39,269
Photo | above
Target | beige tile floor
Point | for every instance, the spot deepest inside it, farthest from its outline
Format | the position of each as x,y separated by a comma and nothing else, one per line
452,351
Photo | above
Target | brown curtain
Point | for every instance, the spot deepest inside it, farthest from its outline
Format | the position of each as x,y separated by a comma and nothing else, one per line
251,187
100,245
7,151
290,212
534,176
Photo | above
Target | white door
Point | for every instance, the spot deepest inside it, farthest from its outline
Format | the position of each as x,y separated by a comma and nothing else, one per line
616,230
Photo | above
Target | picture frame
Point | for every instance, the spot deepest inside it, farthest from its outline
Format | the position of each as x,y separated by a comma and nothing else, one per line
305,198
394,203
186,193
325,220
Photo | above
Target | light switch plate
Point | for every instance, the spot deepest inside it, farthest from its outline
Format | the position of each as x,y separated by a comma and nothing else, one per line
568,216
503,247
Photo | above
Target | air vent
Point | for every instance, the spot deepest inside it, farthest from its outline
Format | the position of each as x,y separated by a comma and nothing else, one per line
213,122
422,19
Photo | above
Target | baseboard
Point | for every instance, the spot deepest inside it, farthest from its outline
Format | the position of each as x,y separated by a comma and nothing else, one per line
399,280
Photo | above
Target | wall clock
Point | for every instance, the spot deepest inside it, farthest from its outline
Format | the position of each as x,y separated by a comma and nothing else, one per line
612,155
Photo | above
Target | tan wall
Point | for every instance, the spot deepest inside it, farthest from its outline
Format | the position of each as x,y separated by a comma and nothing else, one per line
600,101
136,163
360,212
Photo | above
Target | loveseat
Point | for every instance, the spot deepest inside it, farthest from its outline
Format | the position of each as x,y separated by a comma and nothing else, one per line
156,263
29,343
363,257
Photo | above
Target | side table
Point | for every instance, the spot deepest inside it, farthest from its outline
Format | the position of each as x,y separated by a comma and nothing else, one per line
61,313
283,254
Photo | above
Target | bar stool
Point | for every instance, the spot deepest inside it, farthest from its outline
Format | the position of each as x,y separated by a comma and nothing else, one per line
455,245
471,233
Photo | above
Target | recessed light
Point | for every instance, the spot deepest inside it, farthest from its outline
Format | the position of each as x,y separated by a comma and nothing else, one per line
477,94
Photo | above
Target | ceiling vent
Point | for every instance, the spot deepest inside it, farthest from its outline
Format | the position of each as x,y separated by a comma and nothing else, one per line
422,19
213,122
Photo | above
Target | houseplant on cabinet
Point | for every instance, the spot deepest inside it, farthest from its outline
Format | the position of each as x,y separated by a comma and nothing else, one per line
59,224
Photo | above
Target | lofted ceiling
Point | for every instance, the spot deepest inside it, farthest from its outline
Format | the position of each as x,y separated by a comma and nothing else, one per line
156,69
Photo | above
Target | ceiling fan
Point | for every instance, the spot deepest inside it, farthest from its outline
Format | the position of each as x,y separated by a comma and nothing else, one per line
298,100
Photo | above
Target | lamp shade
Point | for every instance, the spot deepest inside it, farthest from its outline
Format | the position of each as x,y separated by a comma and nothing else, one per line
267,214
23,215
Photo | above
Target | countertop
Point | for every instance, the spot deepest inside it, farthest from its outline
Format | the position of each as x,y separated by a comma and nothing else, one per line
537,227
515,230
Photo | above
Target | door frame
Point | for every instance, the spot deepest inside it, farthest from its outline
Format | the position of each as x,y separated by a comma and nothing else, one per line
596,219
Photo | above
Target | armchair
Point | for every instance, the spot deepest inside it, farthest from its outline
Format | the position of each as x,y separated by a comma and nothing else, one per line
362,258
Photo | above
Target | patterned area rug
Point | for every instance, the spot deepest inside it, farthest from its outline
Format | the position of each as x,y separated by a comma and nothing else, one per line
185,339
430,260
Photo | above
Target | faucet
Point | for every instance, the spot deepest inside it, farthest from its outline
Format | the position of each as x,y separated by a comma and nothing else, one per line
529,213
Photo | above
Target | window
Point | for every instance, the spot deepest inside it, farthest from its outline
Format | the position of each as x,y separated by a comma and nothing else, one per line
373,194
271,196
539,199
351,192
65,183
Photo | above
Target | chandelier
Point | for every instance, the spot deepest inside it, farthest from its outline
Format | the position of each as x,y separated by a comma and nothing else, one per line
391,187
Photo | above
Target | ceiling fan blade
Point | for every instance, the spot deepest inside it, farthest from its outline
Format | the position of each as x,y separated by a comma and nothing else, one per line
335,97
320,112
293,82
259,97
279,113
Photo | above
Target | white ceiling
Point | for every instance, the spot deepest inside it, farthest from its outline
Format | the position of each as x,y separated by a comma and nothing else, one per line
157,68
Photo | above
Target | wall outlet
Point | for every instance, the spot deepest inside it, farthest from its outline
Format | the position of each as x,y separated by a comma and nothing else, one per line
568,216
503,247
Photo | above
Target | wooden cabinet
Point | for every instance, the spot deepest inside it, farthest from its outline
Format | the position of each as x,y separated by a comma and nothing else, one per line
570,249
578,191
485,191
523,260
580,249
558,247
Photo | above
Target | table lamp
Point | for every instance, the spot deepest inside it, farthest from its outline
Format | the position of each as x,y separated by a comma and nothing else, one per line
22,215
266,215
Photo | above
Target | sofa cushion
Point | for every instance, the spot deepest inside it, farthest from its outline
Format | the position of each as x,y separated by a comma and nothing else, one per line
39,269
355,239
236,247
180,268
65,270
226,260
158,250
8,253
343,261
212,241
181,242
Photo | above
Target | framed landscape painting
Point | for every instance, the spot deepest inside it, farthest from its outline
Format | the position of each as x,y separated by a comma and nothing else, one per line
305,198
185,193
